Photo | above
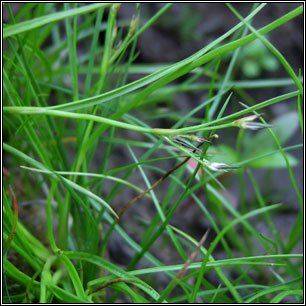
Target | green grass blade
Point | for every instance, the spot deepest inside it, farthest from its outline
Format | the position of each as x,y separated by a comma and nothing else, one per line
43,20
277,54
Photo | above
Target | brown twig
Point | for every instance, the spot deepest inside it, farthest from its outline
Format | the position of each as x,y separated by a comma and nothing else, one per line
113,281
181,273
123,210
128,205
159,181
15,209
192,256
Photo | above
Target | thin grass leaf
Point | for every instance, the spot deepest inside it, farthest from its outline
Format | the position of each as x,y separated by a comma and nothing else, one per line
277,54
70,183
78,286
113,269
43,20
216,240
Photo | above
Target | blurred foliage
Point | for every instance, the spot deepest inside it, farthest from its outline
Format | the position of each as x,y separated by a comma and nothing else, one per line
256,58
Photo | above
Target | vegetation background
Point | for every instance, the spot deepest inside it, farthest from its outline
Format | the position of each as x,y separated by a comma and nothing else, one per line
73,169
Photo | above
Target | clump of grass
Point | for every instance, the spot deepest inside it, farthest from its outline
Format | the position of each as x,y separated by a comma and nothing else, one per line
65,93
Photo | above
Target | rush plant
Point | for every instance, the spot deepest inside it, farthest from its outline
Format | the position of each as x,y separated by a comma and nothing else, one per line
97,175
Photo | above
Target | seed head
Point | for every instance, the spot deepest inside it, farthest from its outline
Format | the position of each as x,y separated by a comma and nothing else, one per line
219,167
246,123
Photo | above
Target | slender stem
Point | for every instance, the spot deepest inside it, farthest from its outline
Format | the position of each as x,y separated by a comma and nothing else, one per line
164,132
107,121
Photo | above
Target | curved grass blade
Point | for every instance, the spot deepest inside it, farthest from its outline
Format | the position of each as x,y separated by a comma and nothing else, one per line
43,20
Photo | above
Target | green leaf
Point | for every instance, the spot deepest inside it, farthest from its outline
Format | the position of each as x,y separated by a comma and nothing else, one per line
273,161
269,63
222,153
73,185
120,286
43,20
117,271
251,69
284,127
66,296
